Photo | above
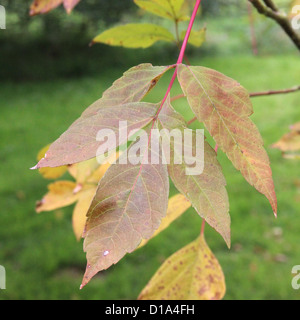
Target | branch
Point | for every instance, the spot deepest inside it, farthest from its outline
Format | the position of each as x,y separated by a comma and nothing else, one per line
282,19
272,92
271,5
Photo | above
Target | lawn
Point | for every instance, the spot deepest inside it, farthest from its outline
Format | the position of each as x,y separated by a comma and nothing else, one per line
39,251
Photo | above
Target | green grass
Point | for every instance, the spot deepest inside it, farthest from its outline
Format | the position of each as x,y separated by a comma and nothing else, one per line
40,253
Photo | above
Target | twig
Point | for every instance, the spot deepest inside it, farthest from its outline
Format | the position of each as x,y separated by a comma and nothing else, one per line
281,18
177,97
202,227
272,92
191,121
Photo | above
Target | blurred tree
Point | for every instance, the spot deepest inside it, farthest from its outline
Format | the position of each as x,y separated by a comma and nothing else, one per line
88,12
222,7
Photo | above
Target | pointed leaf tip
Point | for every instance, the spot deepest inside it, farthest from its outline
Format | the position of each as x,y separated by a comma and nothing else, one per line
122,215
34,168
139,80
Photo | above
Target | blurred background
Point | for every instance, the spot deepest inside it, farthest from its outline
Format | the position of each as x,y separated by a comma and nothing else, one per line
49,74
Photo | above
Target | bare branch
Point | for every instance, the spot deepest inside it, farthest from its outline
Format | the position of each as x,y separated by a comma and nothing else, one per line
281,18
271,5
273,92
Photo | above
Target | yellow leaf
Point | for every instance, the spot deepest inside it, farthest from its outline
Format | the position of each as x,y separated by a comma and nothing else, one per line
80,211
61,194
192,273
289,142
196,37
291,156
50,173
176,207
296,126
83,170
170,9
90,171
100,171
64,193
134,35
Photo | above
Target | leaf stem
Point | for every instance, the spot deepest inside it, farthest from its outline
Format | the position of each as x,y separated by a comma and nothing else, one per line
180,58
179,61
188,32
178,42
202,227
177,33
